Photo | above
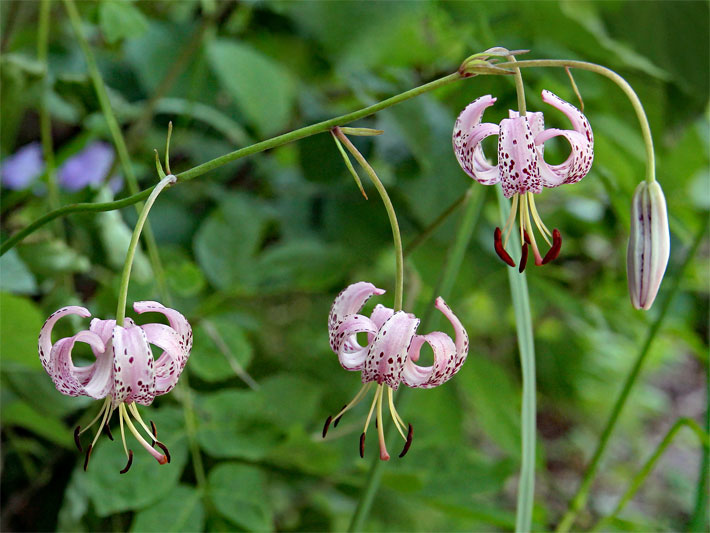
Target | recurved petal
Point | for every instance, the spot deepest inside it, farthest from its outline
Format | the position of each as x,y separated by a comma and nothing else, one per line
517,158
45,334
380,315
177,321
581,141
348,302
350,353
171,362
649,244
134,378
467,136
67,378
388,351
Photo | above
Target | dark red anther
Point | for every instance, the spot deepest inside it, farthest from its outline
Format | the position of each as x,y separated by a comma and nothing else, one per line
326,425
76,438
523,256
107,430
362,445
155,431
408,443
129,463
164,448
498,243
86,459
337,420
553,252
527,237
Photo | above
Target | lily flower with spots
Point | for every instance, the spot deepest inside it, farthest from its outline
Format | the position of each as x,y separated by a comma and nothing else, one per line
390,355
124,373
521,168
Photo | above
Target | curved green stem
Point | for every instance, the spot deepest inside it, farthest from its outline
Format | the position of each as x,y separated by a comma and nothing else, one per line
126,274
638,480
580,498
399,261
623,85
519,88
44,118
526,346
262,146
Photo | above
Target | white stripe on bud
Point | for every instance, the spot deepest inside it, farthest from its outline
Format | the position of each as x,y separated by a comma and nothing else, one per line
649,244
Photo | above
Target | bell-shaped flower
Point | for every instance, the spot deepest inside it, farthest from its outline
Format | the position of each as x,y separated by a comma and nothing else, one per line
124,372
521,168
390,354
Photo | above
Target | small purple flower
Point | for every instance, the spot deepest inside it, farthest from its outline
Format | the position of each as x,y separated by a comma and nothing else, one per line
390,354
24,166
88,167
124,372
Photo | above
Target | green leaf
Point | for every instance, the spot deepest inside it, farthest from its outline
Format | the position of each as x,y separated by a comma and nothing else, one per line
16,277
239,494
208,360
20,414
119,19
180,510
147,482
231,425
263,89
51,258
20,322
289,400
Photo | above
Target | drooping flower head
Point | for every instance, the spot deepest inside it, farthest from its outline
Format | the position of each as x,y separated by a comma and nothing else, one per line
521,168
390,354
124,372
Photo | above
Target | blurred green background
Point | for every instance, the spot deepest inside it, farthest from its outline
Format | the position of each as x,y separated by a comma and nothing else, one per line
255,251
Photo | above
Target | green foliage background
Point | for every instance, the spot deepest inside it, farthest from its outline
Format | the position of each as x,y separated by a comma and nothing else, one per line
255,251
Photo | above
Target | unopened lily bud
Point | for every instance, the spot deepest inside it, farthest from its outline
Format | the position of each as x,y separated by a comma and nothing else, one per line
649,244
361,132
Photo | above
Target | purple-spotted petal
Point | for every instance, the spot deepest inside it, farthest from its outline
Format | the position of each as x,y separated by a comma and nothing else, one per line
350,353
177,321
169,365
348,302
45,334
517,158
581,141
467,136
134,378
388,352
380,315
449,355
67,378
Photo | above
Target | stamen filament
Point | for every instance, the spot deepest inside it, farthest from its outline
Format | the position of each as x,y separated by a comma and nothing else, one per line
395,414
378,391
380,430
161,458
356,400
538,221
123,434
531,234
107,411
523,210
101,412
134,410
511,219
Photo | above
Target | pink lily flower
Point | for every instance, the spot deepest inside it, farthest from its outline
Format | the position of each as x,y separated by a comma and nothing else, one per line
390,356
124,372
521,168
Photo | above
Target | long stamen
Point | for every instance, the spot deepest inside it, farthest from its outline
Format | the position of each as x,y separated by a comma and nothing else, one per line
378,391
511,220
553,252
528,227
538,221
500,249
408,443
162,459
380,430
523,211
76,438
120,422
336,419
395,415
134,410
128,464
107,412
98,415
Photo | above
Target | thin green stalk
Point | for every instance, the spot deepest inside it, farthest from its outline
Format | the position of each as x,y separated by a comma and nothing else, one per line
451,269
519,88
526,346
118,139
126,274
262,146
699,519
623,85
399,260
191,429
44,118
580,498
640,477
